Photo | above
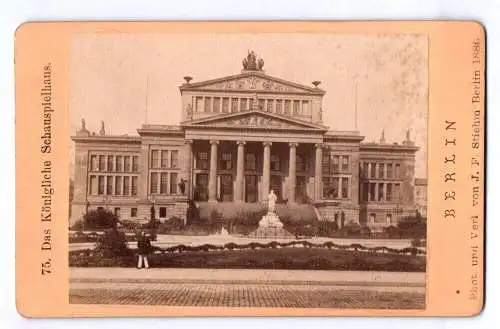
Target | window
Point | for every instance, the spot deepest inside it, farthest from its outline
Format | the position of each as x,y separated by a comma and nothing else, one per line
109,185
305,108
397,192
155,159
101,185
163,212
388,193
133,212
326,164
119,167
93,185
134,185
225,105
251,161
100,209
135,163
117,212
373,217
345,163
345,187
126,164
330,187
216,108
110,163
372,191
279,106
118,185
126,185
365,191
365,170
380,192
275,163
389,170
202,160
300,163
243,104
163,183
226,161
296,107
381,170
262,103
270,105
93,162
173,183
335,163
102,164
154,183
234,104
199,103
398,171
373,170
388,219
208,104
164,159
174,159
287,106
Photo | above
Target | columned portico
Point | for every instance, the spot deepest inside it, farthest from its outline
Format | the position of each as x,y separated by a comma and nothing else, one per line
292,174
212,182
240,171
266,170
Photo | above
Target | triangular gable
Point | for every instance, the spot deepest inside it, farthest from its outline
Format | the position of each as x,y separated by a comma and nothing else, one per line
252,81
255,119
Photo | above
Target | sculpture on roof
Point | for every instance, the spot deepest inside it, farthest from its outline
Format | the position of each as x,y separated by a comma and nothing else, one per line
250,63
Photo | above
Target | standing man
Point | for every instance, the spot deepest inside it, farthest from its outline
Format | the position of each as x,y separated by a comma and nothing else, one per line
143,249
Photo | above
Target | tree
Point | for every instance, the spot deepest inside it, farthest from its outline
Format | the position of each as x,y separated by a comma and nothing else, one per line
100,219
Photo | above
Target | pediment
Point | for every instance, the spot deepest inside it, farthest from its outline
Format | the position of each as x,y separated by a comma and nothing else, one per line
255,82
255,119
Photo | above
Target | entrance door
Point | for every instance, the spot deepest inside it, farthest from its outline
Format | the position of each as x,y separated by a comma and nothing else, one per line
251,188
201,187
226,187
301,190
276,186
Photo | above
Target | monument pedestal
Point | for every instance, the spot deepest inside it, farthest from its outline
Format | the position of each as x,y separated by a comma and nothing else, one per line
270,220
270,227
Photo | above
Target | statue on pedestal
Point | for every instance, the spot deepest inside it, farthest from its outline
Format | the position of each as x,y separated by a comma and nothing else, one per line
271,202
271,219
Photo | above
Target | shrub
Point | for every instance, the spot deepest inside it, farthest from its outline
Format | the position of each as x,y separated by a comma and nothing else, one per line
100,219
327,228
392,231
351,228
130,224
113,243
79,225
412,226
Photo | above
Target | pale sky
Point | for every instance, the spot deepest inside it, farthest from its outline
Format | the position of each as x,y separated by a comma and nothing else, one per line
108,74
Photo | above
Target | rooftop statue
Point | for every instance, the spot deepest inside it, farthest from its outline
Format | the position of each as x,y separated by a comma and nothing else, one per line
250,63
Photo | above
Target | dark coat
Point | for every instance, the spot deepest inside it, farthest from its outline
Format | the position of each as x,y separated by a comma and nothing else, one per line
143,245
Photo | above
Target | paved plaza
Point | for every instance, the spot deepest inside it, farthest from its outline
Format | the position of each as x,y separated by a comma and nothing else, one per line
247,288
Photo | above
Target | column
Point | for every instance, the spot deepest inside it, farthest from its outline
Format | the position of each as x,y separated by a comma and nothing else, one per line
292,175
212,179
318,172
340,187
385,191
376,192
266,170
240,165
189,170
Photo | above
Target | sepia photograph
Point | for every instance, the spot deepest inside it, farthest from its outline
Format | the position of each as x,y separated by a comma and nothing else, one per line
248,170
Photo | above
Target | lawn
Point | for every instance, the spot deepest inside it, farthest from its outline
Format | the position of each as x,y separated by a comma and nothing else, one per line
282,258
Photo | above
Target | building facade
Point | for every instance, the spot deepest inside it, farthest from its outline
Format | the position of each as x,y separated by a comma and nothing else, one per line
240,137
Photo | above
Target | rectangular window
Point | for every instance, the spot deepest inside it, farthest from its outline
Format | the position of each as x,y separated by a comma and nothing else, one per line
270,105
305,108
335,163
397,192
345,187
216,108
163,183
134,185
93,185
102,163
155,161
135,163
380,191
93,162
226,161
389,170
365,170
173,183
202,160
279,106
296,107
117,212
110,163
163,212
381,167
345,163
126,164
208,104
133,212
199,104
365,191
262,103
243,104
300,163
225,105
118,185
326,164
251,161
287,106
109,185
234,105
119,167
398,171
373,170
154,183
174,159
275,163
101,185
330,187
372,191
164,159
126,185
389,192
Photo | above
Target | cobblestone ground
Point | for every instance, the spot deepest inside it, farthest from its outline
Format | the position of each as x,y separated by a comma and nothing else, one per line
247,295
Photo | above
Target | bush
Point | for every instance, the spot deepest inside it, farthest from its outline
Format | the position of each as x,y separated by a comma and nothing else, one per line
113,243
79,225
130,224
392,231
351,228
327,228
100,219
412,226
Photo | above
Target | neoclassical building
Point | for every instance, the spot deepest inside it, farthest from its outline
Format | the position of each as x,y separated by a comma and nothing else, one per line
241,136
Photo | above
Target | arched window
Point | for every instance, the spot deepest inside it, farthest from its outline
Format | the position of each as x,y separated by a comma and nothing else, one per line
373,217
